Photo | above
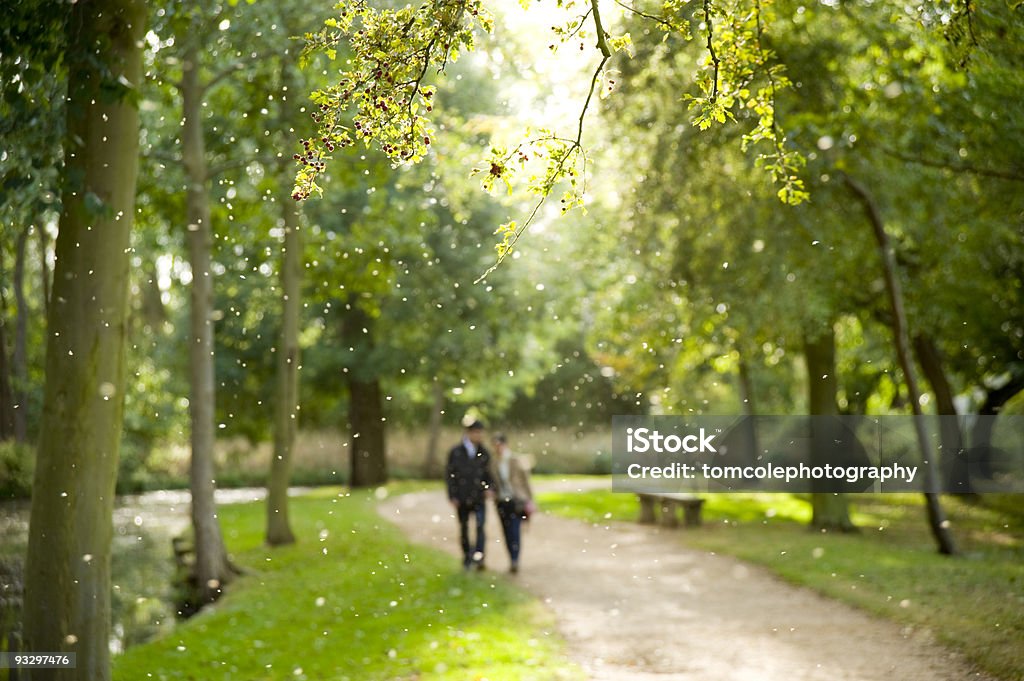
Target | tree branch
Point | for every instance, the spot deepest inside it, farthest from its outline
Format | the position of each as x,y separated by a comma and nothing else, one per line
162,157
763,55
575,146
221,75
967,168
231,164
602,38
711,48
583,20
664,22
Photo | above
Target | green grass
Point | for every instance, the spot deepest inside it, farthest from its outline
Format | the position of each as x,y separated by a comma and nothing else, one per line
352,600
973,603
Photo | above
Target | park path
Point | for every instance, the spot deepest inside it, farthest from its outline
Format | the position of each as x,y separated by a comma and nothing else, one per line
634,604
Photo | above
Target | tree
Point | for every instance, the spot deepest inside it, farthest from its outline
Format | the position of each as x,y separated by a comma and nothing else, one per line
829,511
368,463
212,568
214,44
287,404
67,590
936,516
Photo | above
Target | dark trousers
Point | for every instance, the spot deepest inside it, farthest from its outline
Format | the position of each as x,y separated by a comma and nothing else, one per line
479,512
511,523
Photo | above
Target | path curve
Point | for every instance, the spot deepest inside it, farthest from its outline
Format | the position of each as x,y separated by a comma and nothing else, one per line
634,604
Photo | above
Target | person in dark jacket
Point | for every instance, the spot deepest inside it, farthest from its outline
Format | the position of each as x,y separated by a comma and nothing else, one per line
468,475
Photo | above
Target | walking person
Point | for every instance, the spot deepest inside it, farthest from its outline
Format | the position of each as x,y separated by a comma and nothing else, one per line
468,475
513,496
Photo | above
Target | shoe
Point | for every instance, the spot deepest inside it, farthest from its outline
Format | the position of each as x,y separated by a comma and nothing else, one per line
514,568
480,567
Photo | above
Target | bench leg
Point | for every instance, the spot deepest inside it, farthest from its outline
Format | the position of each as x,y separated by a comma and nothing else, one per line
669,518
691,514
646,509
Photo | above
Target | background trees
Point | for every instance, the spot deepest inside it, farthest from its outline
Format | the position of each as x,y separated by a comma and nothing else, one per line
866,82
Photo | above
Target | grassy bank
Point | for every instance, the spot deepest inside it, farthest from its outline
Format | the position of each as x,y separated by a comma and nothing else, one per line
973,603
351,600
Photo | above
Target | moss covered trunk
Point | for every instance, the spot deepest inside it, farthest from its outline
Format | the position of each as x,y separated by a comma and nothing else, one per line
67,575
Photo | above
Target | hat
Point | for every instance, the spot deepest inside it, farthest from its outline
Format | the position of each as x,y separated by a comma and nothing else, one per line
476,424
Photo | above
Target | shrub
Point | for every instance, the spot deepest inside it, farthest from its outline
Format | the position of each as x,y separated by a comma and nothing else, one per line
17,464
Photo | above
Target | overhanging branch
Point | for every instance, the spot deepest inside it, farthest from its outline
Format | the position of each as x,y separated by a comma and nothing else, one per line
957,167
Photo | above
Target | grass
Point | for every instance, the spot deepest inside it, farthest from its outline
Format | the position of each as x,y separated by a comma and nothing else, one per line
352,600
973,603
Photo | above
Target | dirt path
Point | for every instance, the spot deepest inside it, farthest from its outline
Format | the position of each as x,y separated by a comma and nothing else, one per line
634,604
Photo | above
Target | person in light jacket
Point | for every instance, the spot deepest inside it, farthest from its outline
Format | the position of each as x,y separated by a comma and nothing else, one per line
512,496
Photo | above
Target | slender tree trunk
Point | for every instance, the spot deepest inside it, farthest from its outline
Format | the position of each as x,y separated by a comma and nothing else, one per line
6,391
750,440
44,268
287,407
746,388
212,568
431,468
829,510
67,587
936,516
954,466
19,368
153,312
369,464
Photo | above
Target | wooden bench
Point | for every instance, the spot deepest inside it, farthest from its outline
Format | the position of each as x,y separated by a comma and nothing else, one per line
667,505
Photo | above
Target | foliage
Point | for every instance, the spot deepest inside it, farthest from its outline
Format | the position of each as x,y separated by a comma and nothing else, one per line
575,392
392,51
720,275
16,469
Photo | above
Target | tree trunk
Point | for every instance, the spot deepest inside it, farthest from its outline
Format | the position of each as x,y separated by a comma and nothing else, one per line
153,312
981,433
67,587
287,408
6,391
44,269
747,432
366,424
19,362
431,469
830,510
212,568
746,388
936,516
954,465
368,465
